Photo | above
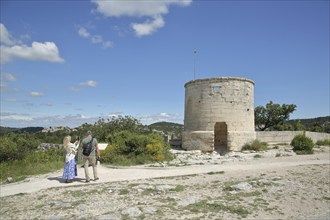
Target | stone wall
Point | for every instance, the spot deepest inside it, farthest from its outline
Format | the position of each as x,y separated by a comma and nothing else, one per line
236,140
198,140
47,146
285,137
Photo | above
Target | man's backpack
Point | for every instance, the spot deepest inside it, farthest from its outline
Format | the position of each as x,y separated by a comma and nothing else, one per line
87,148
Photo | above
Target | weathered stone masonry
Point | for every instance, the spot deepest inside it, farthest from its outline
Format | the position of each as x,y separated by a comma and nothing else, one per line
219,114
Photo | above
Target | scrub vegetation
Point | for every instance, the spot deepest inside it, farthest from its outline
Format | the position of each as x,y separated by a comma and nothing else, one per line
129,141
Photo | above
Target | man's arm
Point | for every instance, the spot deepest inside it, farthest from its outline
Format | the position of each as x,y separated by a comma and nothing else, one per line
97,150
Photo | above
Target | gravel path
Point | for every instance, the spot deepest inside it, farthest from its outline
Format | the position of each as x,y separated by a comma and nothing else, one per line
239,186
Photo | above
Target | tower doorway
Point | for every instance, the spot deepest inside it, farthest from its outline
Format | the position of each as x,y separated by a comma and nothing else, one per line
220,137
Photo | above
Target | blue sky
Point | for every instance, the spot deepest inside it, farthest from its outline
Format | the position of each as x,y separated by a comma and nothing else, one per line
65,63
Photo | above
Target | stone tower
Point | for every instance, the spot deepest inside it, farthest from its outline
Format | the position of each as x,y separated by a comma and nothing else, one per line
219,114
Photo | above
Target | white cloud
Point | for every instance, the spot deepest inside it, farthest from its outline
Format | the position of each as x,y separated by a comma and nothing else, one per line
148,27
136,8
149,119
164,115
85,116
139,8
8,77
74,89
5,37
115,114
29,104
15,117
36,94
46,51
6,90
89,83
10,100
47,104
83,32
26,120
11,50
107,44
95,39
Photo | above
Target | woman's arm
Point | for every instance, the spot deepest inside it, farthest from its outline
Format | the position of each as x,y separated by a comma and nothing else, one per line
76,144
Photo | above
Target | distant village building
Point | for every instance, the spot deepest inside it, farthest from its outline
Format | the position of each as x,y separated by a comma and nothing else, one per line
219,114
60,128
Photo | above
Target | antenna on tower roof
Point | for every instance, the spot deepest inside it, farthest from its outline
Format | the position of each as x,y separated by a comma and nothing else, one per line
195,63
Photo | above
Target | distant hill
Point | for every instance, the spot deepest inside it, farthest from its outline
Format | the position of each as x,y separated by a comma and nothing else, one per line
321,121
169,128
314,124
309,124
4,130
175,129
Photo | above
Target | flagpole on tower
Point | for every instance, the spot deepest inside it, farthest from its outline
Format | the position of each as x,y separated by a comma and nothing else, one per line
194,63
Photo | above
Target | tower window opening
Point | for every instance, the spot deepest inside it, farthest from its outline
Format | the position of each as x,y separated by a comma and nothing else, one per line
216,88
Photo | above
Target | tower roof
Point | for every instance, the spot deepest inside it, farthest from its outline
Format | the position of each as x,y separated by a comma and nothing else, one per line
221,79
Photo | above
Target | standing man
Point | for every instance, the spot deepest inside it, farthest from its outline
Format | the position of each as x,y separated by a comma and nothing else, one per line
90,142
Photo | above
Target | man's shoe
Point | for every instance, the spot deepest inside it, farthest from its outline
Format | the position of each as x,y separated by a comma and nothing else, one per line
87,181
96,179
89,165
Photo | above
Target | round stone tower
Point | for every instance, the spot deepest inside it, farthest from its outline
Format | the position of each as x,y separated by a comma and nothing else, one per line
219,114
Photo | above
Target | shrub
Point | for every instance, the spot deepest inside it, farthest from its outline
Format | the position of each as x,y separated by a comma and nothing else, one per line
127,148
257,156
17,146
324,142
302,144
46,156
9,150
34,163
255,145
155,151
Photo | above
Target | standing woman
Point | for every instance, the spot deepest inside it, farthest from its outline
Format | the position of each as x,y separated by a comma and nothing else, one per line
70,167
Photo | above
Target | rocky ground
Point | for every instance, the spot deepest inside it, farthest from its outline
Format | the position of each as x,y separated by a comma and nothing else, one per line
274,184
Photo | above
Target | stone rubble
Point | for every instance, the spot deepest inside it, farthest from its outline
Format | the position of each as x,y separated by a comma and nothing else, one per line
197,157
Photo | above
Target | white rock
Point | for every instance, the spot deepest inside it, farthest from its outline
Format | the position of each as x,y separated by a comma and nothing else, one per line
132,212
149,210
188,200
244,186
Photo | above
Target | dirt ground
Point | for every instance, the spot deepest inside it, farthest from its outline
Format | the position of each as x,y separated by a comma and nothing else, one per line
281,187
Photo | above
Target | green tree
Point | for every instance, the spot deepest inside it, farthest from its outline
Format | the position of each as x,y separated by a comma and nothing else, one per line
102,128
283,127
298,126
272,115
316,128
